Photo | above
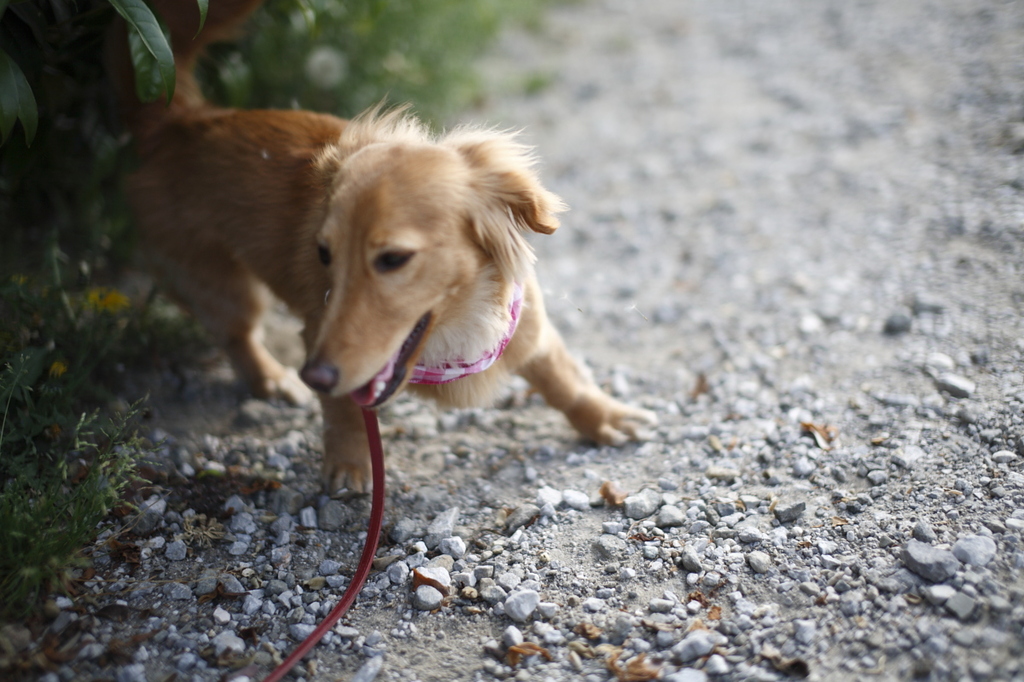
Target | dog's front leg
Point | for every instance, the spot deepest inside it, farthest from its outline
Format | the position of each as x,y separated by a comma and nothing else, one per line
346,451
555,374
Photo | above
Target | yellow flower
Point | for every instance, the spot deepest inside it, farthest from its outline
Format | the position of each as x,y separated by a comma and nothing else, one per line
19,279
107,300
57,369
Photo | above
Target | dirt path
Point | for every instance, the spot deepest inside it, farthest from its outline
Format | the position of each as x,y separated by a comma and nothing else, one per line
796,234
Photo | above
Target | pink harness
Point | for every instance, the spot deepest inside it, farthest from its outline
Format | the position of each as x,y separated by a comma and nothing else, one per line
456,369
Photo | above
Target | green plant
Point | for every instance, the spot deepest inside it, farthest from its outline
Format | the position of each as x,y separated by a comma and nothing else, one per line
50,507
63,464
59,179
150,51
53,344
343,56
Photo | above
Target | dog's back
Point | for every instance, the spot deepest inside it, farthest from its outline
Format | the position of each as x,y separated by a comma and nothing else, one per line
222,197
224,190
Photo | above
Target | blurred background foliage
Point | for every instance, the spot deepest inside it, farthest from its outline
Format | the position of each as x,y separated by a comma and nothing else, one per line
337,56
343,56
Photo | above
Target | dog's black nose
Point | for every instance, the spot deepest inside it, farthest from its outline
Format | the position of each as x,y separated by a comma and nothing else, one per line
320,376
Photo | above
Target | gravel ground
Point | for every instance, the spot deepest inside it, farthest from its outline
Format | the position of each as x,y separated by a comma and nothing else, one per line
798,236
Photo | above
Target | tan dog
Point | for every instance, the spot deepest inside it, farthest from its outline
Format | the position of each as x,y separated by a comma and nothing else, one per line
403,253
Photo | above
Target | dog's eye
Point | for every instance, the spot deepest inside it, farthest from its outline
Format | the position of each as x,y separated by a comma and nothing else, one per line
391,260
324,253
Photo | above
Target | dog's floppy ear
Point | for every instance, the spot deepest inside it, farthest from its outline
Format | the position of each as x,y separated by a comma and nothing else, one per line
326,166
507,197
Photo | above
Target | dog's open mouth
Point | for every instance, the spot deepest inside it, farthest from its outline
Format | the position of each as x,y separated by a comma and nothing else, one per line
383,385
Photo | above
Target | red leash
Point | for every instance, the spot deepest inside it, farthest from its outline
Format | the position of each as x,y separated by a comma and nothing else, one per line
365,561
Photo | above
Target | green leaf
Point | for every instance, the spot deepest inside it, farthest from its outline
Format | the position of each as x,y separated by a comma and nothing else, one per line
16,100
149,84
204,7
308,13
150,49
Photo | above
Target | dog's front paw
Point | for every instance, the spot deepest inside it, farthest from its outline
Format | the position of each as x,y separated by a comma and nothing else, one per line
609,422
348,470
290,388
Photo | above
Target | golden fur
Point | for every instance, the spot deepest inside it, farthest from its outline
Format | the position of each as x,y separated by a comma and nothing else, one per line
362,228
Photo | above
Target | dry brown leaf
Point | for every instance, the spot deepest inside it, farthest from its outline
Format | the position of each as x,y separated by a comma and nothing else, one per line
839,521
516,652
421,579
115,612
698,597
220,593
697,624
636,670
658,627
59,652
824,434
124,551
700,386
582,649
382,562
715,612
588,630
250,634
122,650
607,650
258,484
797,667
613,494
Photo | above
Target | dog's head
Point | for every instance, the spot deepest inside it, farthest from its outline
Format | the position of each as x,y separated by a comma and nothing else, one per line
422,241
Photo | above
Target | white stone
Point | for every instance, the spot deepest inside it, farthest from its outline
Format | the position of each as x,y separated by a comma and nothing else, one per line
520,605
548,495
454,547
643,504
427,598
437,574
228,642
576,499
938,594
975,550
